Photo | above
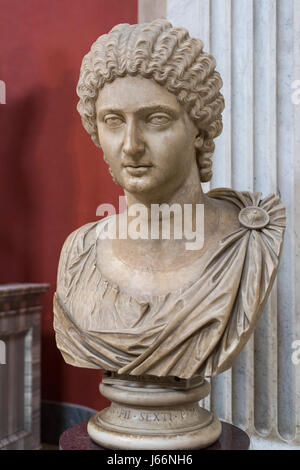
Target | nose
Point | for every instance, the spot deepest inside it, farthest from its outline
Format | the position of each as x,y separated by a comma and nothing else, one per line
133,144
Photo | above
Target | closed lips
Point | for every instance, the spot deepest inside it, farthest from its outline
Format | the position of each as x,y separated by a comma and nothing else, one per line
137,166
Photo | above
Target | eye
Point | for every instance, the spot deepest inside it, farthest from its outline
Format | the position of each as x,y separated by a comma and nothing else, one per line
159,119
112,120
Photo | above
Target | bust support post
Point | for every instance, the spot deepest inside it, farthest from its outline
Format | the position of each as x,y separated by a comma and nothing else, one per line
150,412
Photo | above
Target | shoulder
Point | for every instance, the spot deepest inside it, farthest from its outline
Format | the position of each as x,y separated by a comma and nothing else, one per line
78,256
249,209
79,239
79,243
224,214
242,199
74,247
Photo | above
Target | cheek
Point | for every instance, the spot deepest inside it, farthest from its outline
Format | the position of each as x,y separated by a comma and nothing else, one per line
109,141
175,148
178,137
108,147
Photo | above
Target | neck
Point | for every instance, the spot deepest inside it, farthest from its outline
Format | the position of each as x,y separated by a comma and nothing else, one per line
190,192
153,252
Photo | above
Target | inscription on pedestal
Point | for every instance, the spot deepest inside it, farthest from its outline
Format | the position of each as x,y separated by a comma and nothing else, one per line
154,416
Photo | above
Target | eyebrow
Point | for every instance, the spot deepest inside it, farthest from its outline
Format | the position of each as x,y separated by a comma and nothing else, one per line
153,108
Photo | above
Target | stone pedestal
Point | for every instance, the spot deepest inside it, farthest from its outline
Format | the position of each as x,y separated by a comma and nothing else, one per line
154,413
20,310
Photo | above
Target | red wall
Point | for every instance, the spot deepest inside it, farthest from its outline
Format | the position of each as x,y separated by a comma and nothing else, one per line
52,177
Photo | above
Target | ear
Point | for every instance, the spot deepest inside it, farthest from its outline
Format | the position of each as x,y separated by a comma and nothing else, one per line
199,141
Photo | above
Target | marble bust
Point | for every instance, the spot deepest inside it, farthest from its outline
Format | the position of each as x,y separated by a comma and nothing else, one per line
150,98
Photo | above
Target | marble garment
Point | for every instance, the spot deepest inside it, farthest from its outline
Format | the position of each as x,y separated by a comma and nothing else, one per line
198,329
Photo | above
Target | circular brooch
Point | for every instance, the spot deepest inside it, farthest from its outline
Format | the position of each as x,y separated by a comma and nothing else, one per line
254,217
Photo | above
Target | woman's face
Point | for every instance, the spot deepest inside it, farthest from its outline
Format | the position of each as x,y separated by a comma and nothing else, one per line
147,137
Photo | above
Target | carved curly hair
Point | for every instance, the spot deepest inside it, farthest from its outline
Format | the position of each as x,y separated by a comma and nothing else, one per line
167,55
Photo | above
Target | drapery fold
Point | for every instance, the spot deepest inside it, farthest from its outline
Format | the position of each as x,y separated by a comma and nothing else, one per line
196,330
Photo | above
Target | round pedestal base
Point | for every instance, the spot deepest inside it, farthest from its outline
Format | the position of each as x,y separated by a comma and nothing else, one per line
205,433
154,417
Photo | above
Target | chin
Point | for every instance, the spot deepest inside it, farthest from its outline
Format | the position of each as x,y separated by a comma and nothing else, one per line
139,185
